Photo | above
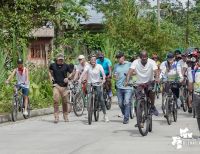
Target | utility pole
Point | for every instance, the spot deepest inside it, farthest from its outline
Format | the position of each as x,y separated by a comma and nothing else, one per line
187,25
158,12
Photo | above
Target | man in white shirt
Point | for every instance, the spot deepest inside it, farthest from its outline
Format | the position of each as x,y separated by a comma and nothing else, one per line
93,72
145,70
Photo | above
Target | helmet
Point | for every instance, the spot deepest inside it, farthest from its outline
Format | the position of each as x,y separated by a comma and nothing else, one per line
20,61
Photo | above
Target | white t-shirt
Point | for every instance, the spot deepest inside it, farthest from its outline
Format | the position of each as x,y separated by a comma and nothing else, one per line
94,73
80,68
145,73
175,72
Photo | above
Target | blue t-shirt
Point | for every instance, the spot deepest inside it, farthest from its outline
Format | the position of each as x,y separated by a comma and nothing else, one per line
105,64
120,70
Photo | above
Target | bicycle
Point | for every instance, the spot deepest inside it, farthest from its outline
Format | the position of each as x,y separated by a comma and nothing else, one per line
106,96
143,109
77,104
18,104
185,96
157,90
169,102
93,104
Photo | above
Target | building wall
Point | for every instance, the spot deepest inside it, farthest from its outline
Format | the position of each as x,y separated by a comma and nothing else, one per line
39,50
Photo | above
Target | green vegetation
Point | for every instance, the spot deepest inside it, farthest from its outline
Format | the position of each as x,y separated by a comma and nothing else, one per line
128,26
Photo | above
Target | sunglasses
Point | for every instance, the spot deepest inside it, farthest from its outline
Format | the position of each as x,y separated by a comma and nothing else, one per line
80,59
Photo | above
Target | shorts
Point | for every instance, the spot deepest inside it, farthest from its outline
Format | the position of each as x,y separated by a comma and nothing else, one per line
25,91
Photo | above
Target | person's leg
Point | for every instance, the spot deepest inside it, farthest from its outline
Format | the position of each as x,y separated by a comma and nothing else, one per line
25,95
65,103
196,101
120,96
100,98
109,87
127,101
56,97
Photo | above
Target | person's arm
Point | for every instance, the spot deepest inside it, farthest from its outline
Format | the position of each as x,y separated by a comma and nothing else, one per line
110,68
131,71
179,71
76,75
103,73
11,76
27,76
128,76
110,71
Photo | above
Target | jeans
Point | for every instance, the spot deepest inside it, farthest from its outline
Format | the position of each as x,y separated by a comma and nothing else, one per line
124,100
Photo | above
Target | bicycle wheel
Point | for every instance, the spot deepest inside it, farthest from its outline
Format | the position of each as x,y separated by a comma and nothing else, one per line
184,100
78,106
174,112
131,111
28,110
150,123
168,108
142,115
14,112
107,100
96,109
90,108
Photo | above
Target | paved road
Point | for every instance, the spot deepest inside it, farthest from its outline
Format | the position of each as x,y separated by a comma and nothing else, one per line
41,136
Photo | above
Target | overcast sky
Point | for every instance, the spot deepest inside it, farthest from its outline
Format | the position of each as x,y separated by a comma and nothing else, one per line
154,2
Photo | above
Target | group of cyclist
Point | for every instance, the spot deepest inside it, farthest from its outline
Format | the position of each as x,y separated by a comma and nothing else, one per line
184,68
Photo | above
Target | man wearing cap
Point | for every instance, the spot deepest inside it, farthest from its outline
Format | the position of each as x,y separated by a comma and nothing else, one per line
58,75
107,66
23,83
124,94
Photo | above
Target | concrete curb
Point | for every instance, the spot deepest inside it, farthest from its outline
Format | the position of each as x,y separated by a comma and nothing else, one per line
34,113
38,112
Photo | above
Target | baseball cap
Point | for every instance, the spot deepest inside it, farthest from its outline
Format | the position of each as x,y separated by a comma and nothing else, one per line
170,55
119,54
101,55
60,56
81,57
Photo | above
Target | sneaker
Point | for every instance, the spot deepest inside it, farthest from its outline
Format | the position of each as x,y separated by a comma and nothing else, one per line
125,122
190,110
179,103
154,111
25,113
105,118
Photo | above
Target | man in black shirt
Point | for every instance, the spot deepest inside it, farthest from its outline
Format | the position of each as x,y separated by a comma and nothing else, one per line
58,75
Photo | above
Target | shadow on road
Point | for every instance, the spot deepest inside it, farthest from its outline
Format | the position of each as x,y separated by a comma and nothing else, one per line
132,132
